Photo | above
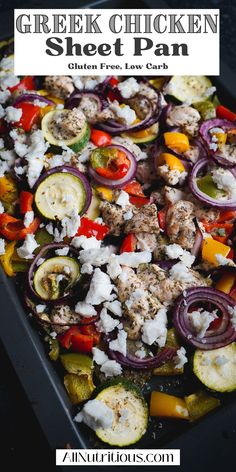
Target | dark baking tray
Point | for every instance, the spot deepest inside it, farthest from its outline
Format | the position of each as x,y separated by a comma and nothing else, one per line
42,383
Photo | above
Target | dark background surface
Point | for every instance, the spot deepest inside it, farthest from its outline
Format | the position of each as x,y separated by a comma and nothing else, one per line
22,441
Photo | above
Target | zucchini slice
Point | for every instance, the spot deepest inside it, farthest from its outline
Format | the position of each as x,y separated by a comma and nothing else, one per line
55,276
76,138
58,194
130,413
216,369
188,88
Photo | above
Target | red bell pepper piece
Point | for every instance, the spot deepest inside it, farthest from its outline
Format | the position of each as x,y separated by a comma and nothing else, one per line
14,229
139,201
27,83
226,215
90,330
214,228
30,115
73,338
129,243
215,324
134,188
231,255
26,201
117,167
162,218
225,113
100,138
113,81
90,228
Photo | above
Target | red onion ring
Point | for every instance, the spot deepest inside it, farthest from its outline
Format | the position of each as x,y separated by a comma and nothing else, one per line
205,127
33,267
76,173
198,240
224,204
213,339
121,182
31,97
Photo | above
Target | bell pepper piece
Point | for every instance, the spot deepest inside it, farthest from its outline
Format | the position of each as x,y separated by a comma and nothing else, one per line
27,83
26,201
90,228
14,229
178,142
225,113
211,247
105,193
8,189
207,186
100,138
79,387
219,231
77,363
168,406
74,339
113,81
226,282
45,110
162,218
221,137
171,161
134,188
6,259
90,330
110,163
226,215
139,201
199,404
30,115
129,244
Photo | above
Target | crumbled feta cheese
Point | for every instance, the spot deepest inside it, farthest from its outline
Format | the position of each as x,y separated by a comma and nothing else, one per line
133,259
220,360
128,215
88,82
106,323
155,331
4,95
13,114
174,251
225,180
113,267
62,252
99,356
232,312
40,261
200,321
21,149
8,156
216,130
100,288
7,63
2,111
8,80
114,307
111,368
123,199
1,143
39,103
120,343
85,243
96,256
213,146
40,308
84,309
132,147
19,170
28,218
180,359
2,247
95,414
53,334
180,273
2,209
4,167
136,295
86,268
141,353
125,114
71,223
129,87
29,245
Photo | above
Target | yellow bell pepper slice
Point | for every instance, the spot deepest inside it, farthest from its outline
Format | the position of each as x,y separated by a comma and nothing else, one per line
45,110
178,142
168,406
171,161
8,189
226,283
211,247
105,193
221,138
6,259
56,99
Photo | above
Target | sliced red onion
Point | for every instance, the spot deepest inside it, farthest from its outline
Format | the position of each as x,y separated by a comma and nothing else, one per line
204,131
74,100
121,182
33,267
134,362
31,97
76,173
198,240
213,338
203,197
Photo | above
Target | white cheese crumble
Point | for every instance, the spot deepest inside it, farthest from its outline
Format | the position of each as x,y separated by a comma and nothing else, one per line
1,208
120,343
174,251
132,147
85,243
128,215
100,288
95,414
86,268
1,143
96,256
13,114
200,321
114,307
29,245
40,308
232,312
85,309
129,87
180,359
225,180
40,261
2,247
111,368
99,356
113,267
155,331
28,218
8,80
180,273
133,259
88,82
125,114
62,252
123,199
106,323
4,95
